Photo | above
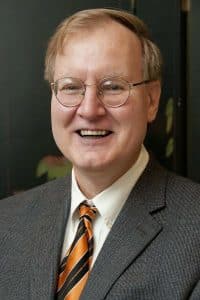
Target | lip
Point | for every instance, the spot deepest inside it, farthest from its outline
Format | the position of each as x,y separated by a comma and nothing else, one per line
93,128
93,140
92,133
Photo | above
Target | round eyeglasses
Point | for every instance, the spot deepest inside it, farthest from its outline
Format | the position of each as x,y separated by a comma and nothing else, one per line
112,92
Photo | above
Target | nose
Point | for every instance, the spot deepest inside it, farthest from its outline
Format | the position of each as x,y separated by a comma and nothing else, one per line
91,107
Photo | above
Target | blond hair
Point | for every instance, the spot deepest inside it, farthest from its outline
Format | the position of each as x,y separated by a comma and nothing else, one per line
91,18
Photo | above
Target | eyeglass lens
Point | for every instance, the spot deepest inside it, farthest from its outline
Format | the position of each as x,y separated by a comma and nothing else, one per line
112,92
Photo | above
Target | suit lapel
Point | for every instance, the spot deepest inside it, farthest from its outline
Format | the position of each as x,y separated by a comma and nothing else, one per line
134,229
48,238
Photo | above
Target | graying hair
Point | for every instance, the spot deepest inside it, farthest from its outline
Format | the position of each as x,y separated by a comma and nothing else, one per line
90,19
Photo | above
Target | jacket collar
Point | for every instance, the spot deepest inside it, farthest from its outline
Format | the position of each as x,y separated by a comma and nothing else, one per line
133,231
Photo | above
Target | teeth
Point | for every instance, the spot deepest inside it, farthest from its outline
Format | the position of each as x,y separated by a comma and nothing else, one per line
93,132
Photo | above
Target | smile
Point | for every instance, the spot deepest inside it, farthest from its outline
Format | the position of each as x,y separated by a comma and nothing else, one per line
93,133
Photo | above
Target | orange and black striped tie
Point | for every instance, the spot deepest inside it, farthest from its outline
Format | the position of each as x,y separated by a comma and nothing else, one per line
75,267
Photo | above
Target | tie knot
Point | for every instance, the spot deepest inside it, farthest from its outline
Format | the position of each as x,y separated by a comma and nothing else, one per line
87,211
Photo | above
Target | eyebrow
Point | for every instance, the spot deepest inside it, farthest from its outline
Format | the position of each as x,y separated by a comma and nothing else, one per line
115,74
107,75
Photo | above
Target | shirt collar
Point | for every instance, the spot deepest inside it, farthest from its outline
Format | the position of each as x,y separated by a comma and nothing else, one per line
110,201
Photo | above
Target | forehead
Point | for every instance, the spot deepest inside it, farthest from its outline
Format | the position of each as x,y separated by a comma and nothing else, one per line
110,47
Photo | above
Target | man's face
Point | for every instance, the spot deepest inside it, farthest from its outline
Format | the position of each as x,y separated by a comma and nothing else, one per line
90,56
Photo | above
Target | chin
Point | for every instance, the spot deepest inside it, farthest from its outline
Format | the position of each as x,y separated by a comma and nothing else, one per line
92,165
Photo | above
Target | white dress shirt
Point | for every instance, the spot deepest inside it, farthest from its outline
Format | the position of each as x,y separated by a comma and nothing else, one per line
108,203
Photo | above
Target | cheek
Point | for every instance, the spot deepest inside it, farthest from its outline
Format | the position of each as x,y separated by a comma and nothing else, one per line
55,121
55,115
134,125
60,116
135,114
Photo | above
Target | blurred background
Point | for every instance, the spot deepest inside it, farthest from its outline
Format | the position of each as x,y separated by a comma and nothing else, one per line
28,155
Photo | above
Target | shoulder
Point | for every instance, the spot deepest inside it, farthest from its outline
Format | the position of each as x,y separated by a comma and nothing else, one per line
184,189
41,196
183,201
180,193
176,185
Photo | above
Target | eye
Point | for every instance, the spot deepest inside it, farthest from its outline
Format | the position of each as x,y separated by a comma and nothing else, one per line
113,87
70,86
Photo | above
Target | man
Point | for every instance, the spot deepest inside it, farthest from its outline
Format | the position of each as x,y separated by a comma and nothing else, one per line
139,231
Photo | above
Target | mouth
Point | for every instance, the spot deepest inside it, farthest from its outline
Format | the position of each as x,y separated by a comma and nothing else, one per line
88,133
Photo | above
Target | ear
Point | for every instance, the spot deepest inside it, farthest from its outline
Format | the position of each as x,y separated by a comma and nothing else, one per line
154,91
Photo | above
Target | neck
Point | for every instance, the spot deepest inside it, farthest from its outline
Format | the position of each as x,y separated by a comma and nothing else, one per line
93,183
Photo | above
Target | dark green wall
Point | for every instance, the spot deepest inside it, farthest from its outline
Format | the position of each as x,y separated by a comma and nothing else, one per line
193,112
25,133
167,23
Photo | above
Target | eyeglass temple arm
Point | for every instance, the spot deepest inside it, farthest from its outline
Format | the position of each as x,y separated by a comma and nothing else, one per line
139,83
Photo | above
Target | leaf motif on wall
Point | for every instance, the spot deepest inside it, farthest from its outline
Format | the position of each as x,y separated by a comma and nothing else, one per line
53,167
169,112
169,148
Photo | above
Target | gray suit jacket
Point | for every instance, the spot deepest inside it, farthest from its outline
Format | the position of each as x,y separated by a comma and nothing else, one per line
152,251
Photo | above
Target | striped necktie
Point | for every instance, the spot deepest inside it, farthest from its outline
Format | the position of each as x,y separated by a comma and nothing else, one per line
75,267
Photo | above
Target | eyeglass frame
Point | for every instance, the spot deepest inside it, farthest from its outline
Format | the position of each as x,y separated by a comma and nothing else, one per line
130,85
